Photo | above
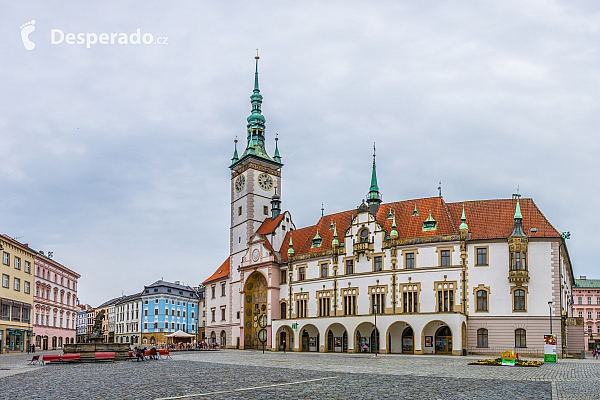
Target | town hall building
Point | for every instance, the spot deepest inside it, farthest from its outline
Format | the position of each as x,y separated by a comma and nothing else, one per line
415,276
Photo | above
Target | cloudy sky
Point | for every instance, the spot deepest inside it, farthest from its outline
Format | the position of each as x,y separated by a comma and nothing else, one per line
115,157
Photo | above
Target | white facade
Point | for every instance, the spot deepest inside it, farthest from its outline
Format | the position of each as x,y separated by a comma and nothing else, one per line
128,320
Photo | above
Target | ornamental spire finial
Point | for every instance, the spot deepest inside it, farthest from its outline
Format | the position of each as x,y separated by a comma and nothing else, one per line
374,197
463,219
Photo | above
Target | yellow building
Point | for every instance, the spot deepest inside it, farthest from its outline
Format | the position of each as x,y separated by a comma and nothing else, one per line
16,294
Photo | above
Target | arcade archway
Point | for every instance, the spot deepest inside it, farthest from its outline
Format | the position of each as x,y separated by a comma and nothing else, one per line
255,304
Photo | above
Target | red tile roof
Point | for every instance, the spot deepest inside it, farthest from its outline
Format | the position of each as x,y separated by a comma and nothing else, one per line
494,219
269,225
220,273
487,219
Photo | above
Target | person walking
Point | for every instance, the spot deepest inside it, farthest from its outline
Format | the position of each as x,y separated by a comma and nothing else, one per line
284,344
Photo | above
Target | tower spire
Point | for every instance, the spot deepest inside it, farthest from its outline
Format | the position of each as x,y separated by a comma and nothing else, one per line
335,241
235,157
291,246
463,220
518,230
276,156
374,197
394,232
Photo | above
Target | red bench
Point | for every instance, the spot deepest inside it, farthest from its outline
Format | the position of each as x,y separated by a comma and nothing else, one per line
104,355
163,353
34,360
71,357
50,358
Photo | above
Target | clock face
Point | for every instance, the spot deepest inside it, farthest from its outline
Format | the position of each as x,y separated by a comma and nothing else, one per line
262,335
262,320
265,182
240,182
255,255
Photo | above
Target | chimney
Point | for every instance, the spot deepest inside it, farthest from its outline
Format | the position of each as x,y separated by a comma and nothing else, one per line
177,282
582,277
41,252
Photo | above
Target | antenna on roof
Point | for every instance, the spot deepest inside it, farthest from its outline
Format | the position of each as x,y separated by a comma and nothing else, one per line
440,189
322,210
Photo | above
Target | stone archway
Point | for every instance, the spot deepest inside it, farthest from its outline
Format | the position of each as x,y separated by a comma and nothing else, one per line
337,338
255,304
367,338
284,335
309,338
401,338
438,338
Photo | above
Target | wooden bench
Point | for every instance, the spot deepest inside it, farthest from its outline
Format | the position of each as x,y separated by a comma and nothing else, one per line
50,358
163,353
71,357
104,355
34,360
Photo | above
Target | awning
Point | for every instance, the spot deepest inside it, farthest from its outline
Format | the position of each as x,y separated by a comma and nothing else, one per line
180,334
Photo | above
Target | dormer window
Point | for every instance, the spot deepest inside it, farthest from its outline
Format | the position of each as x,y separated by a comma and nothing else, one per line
429,224
364,236
316,242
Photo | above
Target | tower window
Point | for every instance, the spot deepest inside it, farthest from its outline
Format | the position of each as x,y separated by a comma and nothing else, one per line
239,210
266,210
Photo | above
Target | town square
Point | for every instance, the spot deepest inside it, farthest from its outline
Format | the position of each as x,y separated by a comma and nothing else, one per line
309,201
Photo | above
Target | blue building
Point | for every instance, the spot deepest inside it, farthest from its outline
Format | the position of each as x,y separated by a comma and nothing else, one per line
167,308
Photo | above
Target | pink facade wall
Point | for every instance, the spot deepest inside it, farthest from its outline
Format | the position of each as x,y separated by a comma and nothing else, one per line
587,304
54,304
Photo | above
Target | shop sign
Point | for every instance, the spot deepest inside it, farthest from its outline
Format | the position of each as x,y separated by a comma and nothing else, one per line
550,348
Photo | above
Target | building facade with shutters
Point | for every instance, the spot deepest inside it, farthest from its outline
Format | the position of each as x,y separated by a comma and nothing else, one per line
416,276
586,299
128,311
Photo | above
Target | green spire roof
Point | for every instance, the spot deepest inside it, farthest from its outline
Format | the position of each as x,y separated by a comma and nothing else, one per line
394,233
374,197
291,247
276,156
256,124
518,210
316,242
335,242
463,219
235,157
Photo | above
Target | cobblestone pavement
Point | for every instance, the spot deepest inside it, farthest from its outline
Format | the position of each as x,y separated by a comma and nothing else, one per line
232,374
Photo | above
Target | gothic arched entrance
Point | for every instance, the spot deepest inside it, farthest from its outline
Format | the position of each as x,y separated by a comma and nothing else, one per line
443,340
255,304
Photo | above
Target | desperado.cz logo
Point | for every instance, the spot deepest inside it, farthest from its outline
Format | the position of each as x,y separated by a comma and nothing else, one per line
57,36
89,39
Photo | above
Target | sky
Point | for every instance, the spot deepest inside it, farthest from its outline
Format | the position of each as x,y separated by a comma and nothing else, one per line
115,156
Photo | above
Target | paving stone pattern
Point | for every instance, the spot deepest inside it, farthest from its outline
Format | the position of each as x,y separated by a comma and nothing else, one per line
252,375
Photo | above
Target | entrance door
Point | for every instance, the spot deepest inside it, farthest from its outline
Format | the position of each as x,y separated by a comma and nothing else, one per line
443,340
45,343
408,340
282,338
330,341
305,340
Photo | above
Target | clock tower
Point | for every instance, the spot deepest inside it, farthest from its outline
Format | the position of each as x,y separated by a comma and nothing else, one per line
255,179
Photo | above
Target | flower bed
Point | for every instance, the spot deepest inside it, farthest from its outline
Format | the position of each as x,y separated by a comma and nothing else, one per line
498,361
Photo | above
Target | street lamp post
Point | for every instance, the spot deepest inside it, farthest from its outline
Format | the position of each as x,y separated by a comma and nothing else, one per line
550,307
376,332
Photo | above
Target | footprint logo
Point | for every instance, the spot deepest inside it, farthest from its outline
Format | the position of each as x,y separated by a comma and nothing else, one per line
26,29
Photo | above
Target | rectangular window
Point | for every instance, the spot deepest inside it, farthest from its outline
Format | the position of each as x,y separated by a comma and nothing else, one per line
265,210
579,300
145,326
589,315
445,300
580,314
409,260
222,290
349,267
156,311
350,305
283,277
589,299
17,286
5,312
324,270
223,314
482,301
212,291
212,314
17,263
597,314
239,211
410,301
445,258
6,259
482,256
324,306
5,281
598,300
26,287
377,264
301,273
519,300
378,303
302,308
